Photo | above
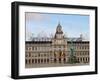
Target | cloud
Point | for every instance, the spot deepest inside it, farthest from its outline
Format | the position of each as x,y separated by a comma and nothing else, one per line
36,16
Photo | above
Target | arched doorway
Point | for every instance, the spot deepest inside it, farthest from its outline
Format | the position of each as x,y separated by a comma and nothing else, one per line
62,58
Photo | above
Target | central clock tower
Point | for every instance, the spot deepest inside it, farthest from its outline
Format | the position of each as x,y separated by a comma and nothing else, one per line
59,46
59,32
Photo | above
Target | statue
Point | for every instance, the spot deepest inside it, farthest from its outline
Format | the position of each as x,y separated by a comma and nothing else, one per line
72,59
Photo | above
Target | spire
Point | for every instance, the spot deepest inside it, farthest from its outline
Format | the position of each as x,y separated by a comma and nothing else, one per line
59,25
59,29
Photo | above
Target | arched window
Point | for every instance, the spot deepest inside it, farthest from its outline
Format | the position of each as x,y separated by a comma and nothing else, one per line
81,59
33,48
29,54
35,60
86,59
78,59
44,60
32,60
41,60
29,48
29,61
26,55
59,60
64,60
39,55
38,60
25,61
47,60
55,60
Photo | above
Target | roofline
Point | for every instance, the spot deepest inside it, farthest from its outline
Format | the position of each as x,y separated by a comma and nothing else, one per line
37,42
45,42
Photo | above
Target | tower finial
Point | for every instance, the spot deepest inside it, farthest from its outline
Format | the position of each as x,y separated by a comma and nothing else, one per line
58,22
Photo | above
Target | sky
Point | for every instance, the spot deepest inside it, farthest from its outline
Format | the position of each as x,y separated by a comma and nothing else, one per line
44,24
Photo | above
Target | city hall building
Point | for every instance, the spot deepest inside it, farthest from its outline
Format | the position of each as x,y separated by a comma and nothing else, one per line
56,51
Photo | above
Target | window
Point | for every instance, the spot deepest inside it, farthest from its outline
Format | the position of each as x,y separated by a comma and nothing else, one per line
35,55
32,60
59,46
26,61
29,61
55,60
82,47
88,53
29,48
88,47
74,53
44,54
35,60
88,59
54,54
44,60
81,59
59,60
32,54
76,47
39,55
38,60
26,55
41,60
47,60
64,60
80,53
85,53
78,59
33,48
47,54
85,47
29,54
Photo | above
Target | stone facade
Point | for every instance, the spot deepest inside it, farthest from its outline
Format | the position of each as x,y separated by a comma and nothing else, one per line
56,51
